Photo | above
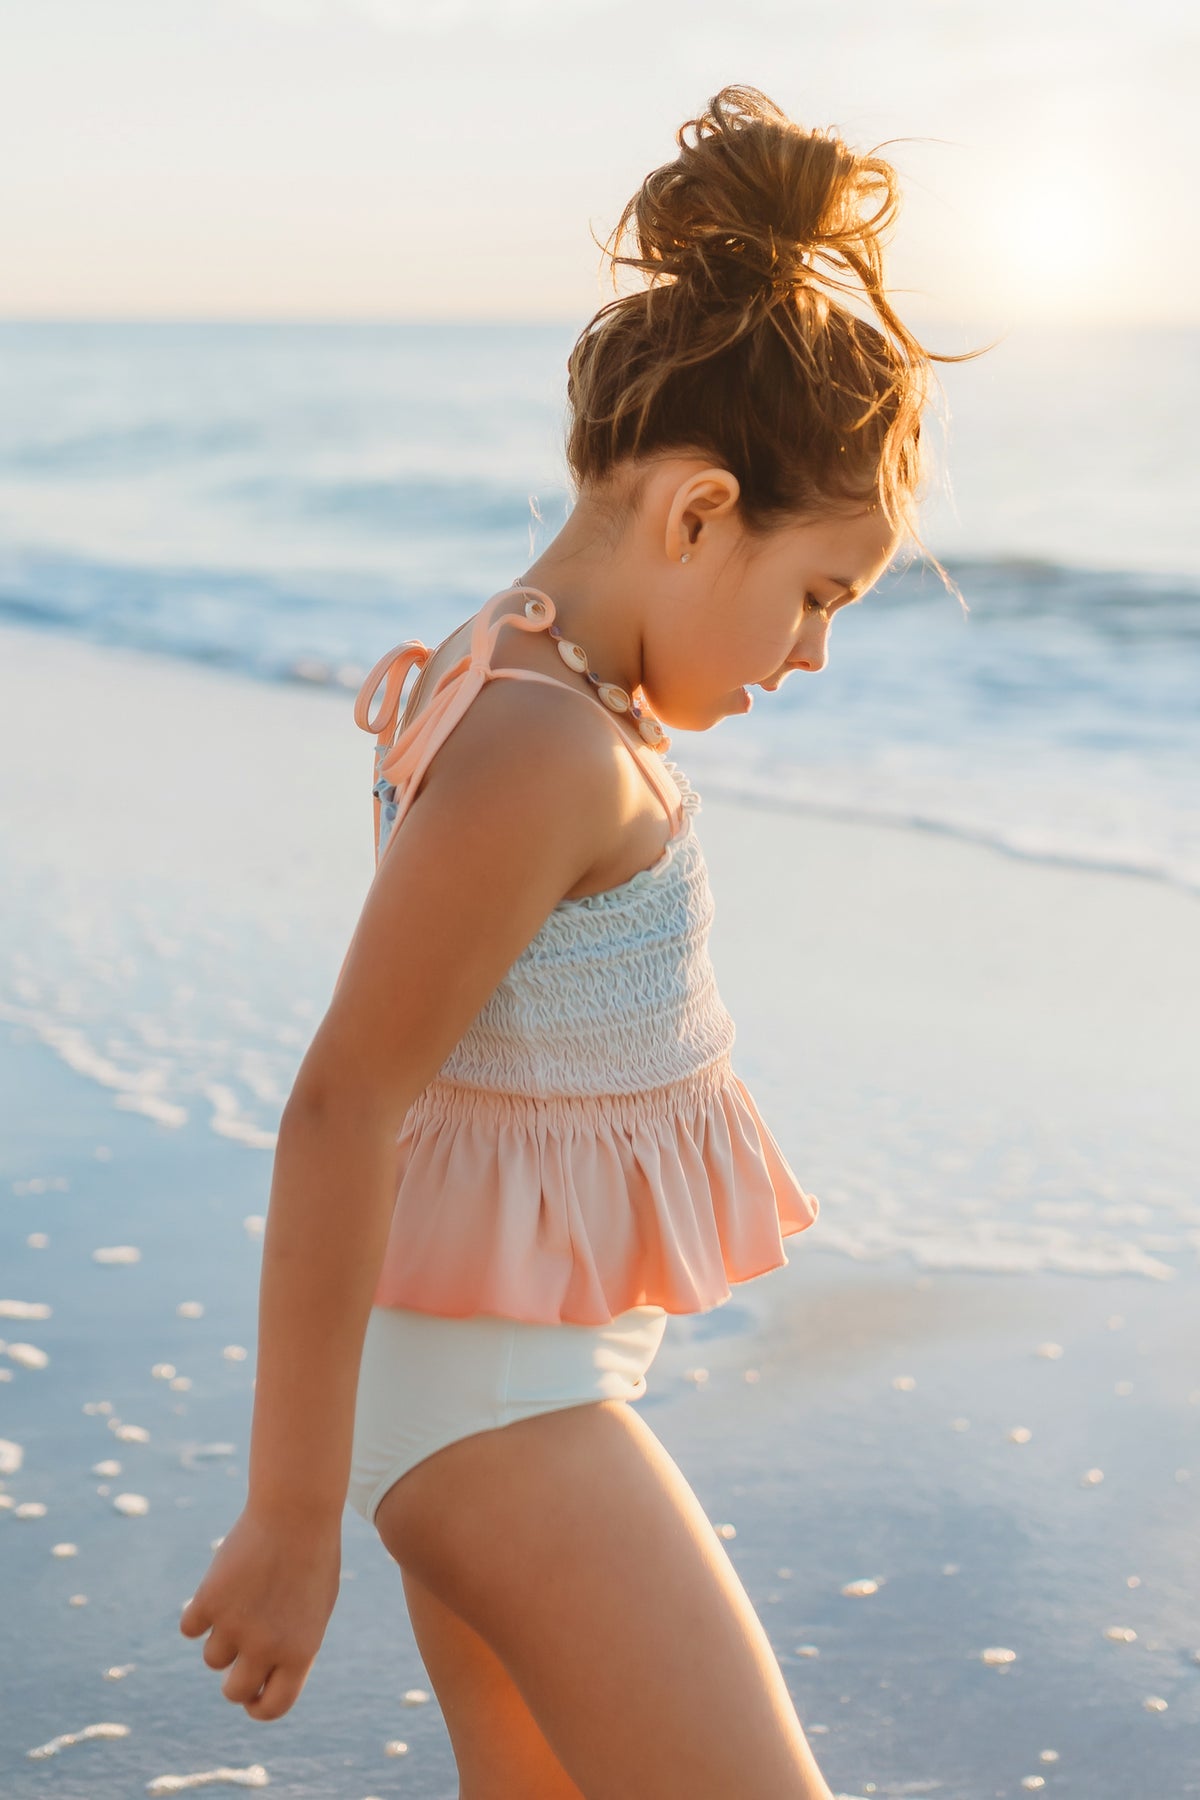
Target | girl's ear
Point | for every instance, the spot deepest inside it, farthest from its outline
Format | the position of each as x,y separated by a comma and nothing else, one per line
700,498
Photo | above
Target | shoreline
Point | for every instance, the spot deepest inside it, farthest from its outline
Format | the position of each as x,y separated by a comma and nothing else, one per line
20,639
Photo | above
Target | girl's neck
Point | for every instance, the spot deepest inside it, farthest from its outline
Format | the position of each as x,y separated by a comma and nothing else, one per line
595,599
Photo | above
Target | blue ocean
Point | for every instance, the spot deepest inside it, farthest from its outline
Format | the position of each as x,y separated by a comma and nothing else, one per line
290,500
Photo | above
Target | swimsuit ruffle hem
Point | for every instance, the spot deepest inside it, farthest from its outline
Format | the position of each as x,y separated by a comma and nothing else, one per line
575,1208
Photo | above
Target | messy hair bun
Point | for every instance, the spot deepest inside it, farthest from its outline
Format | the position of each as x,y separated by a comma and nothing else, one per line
740,345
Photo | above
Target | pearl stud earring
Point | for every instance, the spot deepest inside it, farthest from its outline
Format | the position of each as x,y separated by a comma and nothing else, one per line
686,557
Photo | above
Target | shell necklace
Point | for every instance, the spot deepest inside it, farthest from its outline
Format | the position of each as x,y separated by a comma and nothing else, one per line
539,609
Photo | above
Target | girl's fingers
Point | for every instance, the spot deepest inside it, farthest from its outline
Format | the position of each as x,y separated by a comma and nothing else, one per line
194,1618
220,1650
280,1692
244,1680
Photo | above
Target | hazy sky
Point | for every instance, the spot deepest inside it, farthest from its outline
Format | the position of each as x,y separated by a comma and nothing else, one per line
451,158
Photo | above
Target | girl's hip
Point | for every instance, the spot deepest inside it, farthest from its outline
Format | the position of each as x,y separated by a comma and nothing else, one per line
426,1381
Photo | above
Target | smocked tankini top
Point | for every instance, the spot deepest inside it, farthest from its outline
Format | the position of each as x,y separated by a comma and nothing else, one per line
586,1147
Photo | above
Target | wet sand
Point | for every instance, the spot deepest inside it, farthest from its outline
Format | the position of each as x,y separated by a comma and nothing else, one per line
859,1428
972,1399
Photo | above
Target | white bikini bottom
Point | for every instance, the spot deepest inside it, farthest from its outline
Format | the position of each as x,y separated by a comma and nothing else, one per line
425,1381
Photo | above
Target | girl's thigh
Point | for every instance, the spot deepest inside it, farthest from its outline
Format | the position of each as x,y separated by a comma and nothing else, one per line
571,1543
498,1746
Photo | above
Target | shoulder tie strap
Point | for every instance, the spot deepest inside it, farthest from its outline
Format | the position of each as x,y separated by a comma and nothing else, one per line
392,669
401,760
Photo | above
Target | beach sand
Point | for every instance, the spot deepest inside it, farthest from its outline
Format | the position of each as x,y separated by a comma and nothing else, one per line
976,1386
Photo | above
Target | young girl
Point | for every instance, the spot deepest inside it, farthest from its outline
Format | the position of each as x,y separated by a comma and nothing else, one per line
516,1143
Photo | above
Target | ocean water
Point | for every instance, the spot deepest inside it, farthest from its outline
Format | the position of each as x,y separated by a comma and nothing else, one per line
292,500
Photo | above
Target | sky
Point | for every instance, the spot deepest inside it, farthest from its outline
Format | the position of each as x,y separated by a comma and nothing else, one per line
458,159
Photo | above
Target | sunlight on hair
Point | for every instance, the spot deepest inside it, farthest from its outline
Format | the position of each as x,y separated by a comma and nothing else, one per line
764,336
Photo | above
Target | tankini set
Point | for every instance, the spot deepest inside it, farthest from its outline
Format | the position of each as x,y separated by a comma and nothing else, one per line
586,1161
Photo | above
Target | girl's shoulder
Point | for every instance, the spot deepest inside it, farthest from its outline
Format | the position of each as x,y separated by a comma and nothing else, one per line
515,724
552,719
534,652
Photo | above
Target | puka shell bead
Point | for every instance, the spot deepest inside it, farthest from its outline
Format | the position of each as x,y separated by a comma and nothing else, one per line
574,655
537,610
614,697
653,733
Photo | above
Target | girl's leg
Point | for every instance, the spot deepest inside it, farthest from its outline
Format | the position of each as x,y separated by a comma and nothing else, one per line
573,1546
498,1747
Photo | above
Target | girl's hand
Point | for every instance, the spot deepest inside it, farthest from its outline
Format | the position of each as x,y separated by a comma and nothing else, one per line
265,1601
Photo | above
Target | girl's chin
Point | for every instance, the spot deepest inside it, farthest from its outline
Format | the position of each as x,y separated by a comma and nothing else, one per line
739,701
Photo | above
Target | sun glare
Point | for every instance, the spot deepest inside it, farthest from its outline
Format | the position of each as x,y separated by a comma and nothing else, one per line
1051,242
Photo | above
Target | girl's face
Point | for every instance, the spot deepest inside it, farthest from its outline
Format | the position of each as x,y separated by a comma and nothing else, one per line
757,610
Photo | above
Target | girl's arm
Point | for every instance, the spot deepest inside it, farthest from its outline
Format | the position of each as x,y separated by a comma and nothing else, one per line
516,806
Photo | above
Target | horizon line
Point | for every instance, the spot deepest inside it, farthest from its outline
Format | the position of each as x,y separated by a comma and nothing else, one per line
343,319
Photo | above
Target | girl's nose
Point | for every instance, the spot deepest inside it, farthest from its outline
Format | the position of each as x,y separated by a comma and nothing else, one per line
811,648
813,662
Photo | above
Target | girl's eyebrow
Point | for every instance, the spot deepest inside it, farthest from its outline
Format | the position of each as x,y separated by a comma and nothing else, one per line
853,588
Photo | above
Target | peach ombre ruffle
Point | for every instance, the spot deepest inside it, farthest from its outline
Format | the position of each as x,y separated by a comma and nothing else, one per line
575,1209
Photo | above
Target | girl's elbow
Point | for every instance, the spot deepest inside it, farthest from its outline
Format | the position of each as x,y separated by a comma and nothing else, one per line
331,1102
339,1081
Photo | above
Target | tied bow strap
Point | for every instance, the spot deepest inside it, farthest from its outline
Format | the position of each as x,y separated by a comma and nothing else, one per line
405,759
392,670
402,761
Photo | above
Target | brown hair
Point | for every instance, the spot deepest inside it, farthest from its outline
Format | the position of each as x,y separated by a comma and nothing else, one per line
736,348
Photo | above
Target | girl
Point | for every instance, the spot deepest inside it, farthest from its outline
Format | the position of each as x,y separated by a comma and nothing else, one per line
516,1143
